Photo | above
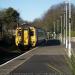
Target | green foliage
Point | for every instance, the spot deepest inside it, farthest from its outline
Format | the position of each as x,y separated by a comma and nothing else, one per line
73,64
73,33
11,17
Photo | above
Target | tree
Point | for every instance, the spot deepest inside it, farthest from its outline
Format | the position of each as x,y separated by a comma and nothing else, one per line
52,15
11,17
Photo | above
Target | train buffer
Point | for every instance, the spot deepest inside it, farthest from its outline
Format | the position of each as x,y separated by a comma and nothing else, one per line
44,60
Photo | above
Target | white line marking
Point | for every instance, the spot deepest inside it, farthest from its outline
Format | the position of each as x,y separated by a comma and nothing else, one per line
17,57
54,68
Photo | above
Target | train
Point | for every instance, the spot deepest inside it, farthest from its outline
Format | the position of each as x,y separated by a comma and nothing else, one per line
29,36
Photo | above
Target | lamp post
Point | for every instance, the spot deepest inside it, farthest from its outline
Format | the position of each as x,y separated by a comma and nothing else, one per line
69,47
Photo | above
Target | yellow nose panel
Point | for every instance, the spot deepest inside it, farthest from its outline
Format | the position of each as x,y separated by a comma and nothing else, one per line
26,37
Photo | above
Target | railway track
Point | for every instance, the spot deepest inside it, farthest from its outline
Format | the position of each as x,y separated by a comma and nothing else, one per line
7,56
4,57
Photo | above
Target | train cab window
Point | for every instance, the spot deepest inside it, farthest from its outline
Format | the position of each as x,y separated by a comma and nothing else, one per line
19,33
31,33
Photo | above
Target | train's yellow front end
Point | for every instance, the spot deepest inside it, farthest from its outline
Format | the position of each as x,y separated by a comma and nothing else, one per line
18,35
22,38
33,36
26,37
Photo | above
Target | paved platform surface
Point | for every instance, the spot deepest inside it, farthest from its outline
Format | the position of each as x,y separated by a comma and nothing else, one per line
46,60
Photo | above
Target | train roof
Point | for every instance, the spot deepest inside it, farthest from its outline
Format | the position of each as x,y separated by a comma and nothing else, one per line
26,25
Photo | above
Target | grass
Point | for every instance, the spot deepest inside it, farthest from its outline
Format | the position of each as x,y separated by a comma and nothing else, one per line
73,33
71,63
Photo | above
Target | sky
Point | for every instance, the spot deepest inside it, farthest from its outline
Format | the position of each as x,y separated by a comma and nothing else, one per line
30,9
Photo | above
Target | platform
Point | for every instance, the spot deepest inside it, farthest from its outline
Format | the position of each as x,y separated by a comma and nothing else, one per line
44,60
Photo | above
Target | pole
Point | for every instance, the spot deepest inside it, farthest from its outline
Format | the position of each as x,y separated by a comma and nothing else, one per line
54,30
61,28
66,26
69,47
57,28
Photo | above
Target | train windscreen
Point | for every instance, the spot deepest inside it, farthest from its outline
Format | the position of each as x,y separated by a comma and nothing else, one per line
19,33
31,33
